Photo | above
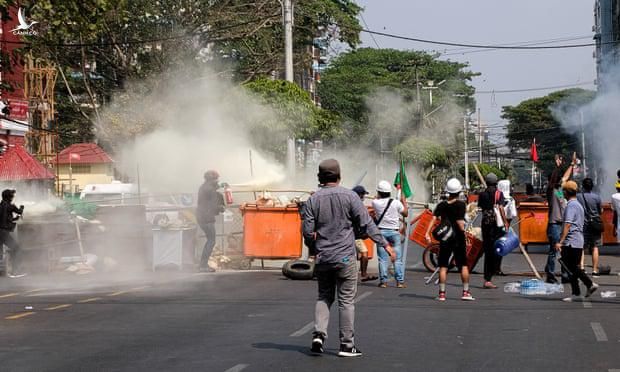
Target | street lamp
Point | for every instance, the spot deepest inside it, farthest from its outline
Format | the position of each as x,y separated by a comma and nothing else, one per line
430,87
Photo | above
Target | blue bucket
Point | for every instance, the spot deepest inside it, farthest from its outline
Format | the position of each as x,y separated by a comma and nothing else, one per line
506,244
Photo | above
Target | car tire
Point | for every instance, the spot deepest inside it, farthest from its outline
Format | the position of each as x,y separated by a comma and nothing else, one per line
298,270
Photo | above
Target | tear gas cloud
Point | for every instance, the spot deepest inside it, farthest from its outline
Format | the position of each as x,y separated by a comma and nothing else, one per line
600,124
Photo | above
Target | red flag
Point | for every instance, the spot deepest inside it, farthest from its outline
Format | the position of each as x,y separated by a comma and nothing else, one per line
534,152
74,156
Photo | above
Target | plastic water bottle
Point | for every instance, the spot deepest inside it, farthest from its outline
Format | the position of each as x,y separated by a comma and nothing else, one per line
513,287
553,288
608,294
532,287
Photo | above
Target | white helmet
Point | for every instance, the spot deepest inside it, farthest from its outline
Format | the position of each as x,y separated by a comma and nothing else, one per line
454,186
384,186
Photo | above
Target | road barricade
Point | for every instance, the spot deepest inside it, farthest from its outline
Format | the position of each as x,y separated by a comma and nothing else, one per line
271,232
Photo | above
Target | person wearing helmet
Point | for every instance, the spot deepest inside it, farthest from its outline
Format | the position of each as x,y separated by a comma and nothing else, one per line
388,212
615,205
488,201
210,203
571,243
9,214
452,211
330,219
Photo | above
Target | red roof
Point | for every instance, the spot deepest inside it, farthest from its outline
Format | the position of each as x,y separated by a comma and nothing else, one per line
89,153
16,164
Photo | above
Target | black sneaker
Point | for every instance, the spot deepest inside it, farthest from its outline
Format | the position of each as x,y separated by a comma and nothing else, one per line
595,274
317,344
592,289
551,279
349,351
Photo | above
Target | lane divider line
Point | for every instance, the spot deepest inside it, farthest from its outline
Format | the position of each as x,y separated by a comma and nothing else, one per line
587,304
127,291
20,315
87,300
599,332
237,368
308,327
63,306
9,295
36,290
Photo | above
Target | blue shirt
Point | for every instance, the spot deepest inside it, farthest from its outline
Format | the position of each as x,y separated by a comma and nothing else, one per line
574,216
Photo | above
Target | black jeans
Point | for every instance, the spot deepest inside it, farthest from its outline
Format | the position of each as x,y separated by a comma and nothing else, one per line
490,234
209,229
572,258
14,252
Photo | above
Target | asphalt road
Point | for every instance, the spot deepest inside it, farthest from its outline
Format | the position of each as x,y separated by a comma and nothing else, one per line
259,321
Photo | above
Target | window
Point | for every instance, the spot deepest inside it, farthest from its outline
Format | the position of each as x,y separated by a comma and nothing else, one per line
80,169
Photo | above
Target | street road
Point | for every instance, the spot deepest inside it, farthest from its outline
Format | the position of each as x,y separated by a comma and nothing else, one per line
259,321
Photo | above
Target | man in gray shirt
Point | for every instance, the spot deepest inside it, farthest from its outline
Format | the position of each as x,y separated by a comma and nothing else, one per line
571,242
330,217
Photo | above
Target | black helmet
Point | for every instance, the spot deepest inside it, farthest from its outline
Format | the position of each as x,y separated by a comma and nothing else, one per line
8,194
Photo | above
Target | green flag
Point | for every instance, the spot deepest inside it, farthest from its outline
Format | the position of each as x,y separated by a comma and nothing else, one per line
401,181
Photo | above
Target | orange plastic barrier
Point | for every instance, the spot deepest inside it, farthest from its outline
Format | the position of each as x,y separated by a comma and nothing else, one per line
418,234
534,217
271,232
371,248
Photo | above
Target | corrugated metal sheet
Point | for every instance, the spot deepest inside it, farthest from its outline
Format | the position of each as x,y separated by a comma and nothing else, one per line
89,153
16,164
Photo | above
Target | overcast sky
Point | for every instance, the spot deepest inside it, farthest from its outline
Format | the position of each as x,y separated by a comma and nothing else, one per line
494,22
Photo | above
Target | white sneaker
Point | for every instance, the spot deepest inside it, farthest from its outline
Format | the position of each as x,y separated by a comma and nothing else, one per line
572,298
14,276
592,290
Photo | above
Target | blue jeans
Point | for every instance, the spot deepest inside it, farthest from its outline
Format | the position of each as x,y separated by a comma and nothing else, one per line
393,237
554,233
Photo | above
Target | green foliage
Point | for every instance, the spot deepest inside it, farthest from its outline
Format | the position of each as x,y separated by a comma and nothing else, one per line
533,118
296,116
423,152
485,169
352,77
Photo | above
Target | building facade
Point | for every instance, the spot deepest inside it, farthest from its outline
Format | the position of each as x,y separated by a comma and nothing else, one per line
607,39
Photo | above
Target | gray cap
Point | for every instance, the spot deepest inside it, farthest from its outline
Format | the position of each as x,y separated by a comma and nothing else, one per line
491,178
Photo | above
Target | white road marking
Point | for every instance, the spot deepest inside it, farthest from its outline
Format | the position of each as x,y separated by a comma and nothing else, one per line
587,304
305,329
614,370
362,296
237,368
308,327
599,332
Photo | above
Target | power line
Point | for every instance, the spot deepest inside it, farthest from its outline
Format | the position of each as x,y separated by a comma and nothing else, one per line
484,46
534,89
463,51
371,35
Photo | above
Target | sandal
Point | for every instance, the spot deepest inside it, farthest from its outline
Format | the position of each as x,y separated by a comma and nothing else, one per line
368,278
382,285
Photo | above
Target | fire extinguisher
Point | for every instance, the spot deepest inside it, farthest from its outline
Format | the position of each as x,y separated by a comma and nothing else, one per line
228,194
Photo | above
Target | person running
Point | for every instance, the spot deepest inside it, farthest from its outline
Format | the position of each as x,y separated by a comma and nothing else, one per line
556,203
388,212
571,243
615,205
592,234
330,217
362,250
452,211
9,214
488,201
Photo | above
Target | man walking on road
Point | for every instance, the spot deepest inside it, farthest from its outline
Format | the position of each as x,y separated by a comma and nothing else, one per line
571,243
592,233
330,217
210,204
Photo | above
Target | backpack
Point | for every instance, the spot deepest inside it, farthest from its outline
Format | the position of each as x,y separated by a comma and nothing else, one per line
594,222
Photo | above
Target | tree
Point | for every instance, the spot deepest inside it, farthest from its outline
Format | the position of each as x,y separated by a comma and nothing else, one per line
534,118
354,76
295,116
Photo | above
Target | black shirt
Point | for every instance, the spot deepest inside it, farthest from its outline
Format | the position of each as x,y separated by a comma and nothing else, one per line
210,203
452,212
7,219
486,199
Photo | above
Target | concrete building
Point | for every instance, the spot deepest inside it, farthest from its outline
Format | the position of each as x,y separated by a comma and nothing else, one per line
81,164
607,38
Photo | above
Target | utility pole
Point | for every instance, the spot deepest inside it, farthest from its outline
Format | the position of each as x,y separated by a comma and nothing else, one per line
583,146
479,138
287,9
465,131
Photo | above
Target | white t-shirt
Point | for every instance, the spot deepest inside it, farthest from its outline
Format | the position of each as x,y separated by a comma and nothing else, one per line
391,220
615,205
